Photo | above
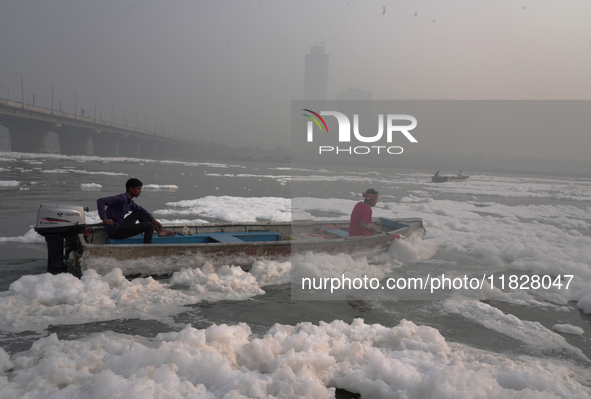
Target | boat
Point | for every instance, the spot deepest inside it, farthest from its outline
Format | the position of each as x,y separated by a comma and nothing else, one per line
238,244
443,179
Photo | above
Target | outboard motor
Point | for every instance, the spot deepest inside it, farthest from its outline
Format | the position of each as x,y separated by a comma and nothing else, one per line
60,224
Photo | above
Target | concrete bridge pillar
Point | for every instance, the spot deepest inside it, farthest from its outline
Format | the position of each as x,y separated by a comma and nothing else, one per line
194,152
184,152
27,135
74,140
129,147
163,149
175,151
106,144
148,148
5,142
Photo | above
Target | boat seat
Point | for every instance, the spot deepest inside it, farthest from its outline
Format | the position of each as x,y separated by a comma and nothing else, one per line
392,223
204,238
224,238
336,232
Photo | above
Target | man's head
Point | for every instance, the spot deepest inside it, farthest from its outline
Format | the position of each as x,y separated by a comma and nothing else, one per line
371,197
134,187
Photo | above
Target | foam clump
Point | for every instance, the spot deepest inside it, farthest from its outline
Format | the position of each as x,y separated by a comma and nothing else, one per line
229,209
412,250
34,302
155,187
301,361
90,186
9,183
568,329
322,265
226,279
30,237
5,363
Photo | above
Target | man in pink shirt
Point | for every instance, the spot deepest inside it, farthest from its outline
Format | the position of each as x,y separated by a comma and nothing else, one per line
361,215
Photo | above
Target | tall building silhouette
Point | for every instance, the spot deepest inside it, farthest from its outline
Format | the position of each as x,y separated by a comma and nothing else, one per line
316,74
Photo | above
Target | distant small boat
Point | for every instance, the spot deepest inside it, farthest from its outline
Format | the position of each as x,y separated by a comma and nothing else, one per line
443,179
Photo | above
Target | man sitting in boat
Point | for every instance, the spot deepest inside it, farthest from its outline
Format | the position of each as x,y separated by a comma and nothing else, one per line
460,175
437,174
119,227
361,215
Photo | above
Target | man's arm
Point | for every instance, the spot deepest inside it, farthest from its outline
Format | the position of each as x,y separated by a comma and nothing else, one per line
100,206
369,227
364,223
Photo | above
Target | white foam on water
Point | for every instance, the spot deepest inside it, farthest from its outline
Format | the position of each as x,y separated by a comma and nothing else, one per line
295,361
9,183
568,329
229,209
30,237
90,187
413,250
13,156
63,171
84,172
176,222
34,302
231,281
532,334
157,187
541,239
321,265
305,360
512,187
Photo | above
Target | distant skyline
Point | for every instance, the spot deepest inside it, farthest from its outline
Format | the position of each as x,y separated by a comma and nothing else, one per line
226,71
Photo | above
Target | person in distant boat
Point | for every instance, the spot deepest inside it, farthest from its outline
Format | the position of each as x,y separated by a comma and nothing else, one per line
437,174
119,227
460,175
361,215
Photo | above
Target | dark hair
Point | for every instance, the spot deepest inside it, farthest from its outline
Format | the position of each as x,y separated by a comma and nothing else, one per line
371,191
133,182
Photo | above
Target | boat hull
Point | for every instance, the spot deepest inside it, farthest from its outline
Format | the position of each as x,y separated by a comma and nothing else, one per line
296,237
443,179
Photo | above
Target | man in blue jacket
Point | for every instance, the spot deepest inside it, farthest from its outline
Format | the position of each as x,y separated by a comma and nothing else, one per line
118,226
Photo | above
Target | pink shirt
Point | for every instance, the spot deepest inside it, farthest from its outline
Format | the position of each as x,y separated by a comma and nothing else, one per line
361,213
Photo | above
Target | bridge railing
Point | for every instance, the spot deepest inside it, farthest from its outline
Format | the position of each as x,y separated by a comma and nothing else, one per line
18,107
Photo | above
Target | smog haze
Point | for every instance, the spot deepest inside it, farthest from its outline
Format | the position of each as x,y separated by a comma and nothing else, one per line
227,71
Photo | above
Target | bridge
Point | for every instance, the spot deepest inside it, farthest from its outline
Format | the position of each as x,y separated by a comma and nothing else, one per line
29,127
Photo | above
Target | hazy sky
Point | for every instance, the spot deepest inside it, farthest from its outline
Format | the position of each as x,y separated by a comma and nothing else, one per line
227,70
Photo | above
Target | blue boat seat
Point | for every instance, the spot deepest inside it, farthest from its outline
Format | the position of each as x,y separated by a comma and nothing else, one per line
224,238
203,238
392,223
